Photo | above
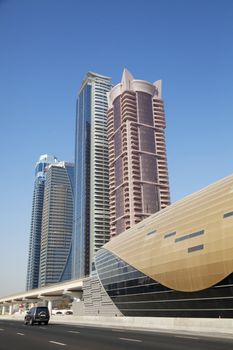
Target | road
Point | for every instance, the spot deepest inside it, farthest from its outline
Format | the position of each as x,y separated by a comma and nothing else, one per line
15,335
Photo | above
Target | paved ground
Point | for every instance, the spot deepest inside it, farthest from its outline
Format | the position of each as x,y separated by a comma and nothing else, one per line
15,335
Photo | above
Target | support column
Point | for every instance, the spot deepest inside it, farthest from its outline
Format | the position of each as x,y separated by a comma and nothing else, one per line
3,310
48,300
50,306
10,309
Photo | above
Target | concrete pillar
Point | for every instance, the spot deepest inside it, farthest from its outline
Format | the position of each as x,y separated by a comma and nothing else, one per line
48,300
3,310
50,306
10,309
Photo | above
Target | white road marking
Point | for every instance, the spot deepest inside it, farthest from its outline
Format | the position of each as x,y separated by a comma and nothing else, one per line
43,327
20,333
186,337
1,329
128,339
55,342
73,332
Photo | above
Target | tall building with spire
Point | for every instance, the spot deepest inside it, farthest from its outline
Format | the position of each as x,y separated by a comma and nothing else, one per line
91,207
36,220
138,170
57,223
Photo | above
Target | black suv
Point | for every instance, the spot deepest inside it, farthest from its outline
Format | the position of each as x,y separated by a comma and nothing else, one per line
39,314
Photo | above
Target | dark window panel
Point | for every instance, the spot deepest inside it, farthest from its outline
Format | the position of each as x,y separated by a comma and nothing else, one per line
190,235
228,214
170,234
195,248
145,112
147,139
151,233
117,113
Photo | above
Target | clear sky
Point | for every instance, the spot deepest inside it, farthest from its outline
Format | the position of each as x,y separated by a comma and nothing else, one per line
46,48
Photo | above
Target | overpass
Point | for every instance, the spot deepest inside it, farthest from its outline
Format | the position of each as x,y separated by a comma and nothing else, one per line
47,294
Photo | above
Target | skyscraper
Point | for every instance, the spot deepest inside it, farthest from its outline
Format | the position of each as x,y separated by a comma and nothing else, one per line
137,152
91,208
36,220
57,222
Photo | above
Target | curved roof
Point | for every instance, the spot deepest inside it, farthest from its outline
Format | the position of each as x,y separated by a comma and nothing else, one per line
188,246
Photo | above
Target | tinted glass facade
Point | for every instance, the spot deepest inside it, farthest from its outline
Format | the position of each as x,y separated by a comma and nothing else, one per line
82,184
57,222
35,236
136,294
91,207
36,221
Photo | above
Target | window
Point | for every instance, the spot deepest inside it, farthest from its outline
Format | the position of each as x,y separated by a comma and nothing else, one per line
195,248
230,213
169,234
151,233
190,235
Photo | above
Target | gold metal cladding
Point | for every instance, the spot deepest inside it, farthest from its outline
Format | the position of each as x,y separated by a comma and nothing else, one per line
196,262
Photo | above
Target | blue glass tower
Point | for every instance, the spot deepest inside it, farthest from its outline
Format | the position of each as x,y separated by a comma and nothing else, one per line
91,206
36,220
57,223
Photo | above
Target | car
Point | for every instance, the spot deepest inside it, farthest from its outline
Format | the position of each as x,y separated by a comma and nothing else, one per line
59,313
69,312
37,314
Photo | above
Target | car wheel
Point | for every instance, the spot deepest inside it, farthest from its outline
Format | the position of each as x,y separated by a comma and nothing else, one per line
31,322
45,322
25,322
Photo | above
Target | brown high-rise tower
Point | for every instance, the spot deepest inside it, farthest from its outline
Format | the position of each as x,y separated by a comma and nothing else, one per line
137,152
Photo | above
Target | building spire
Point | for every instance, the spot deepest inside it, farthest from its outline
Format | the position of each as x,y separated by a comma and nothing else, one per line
126,79
158,85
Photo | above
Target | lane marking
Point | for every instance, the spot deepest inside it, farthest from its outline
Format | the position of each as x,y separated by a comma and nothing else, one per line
55,342
43,327
128,339
1,329
73,332
20,333
186,337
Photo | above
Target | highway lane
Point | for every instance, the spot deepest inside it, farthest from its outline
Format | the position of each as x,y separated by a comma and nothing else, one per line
15,335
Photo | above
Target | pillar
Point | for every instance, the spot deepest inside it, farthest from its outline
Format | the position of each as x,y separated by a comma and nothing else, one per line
10,309
50,306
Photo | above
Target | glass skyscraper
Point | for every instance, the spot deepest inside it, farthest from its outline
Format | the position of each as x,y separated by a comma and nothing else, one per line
57,223
36,220
91,207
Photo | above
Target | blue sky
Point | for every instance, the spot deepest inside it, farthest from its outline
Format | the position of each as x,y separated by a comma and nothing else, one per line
47,46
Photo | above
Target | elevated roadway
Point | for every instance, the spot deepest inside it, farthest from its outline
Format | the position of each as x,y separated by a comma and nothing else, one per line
49,293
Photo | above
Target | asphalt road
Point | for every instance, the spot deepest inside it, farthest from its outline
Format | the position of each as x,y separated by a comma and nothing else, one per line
16,336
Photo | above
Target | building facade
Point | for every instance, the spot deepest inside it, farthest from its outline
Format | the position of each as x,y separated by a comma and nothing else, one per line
36,220
57,223
138,171
176,263
91,207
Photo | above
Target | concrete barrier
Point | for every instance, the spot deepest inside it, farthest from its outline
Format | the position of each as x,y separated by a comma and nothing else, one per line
203,326
212,327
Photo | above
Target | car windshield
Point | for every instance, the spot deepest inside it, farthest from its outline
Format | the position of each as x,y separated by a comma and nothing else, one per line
39,309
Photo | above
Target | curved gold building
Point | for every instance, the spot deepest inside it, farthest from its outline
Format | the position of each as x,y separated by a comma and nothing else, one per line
177,262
